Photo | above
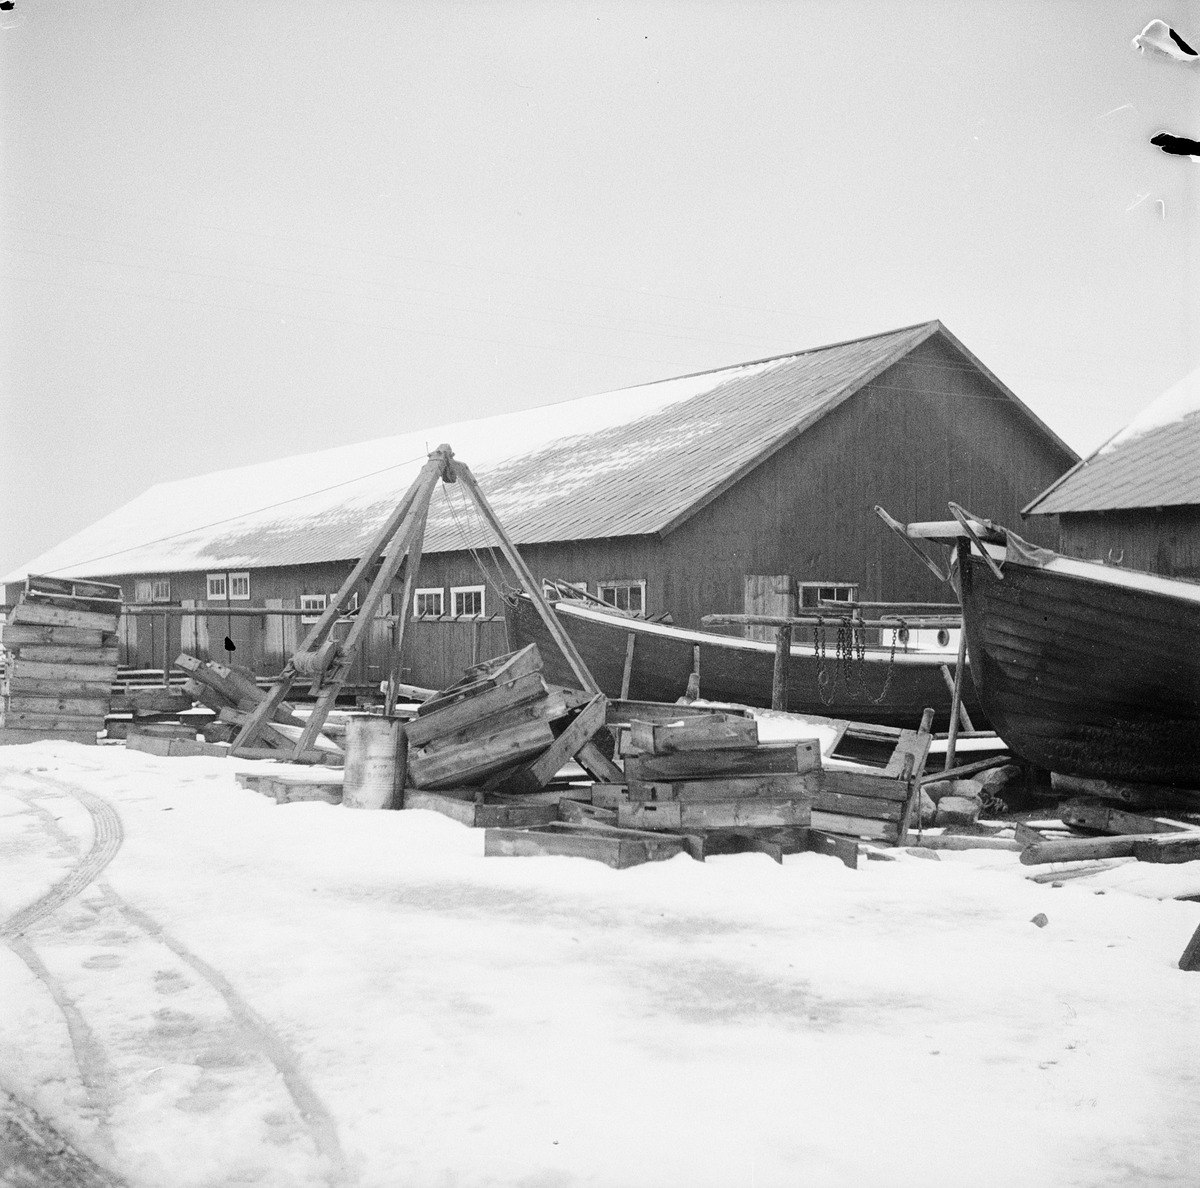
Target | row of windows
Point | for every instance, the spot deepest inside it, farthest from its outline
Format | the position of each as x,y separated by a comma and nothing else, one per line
466,602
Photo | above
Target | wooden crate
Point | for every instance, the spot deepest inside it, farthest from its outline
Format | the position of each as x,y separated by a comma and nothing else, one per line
463,808
618,848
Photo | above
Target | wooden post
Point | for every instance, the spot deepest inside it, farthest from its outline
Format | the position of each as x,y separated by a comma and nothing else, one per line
166,651
779,679
534,588
956,697
627,674
406,608
964,717
1190,960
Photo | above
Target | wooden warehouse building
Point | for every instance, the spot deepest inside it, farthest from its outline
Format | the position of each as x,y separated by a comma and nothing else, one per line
661,499
1135,502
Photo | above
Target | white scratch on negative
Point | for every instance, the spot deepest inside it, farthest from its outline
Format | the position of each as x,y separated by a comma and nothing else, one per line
1137,201
1115,110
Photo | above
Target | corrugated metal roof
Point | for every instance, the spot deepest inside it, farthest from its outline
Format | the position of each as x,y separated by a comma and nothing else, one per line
632,462
1153,462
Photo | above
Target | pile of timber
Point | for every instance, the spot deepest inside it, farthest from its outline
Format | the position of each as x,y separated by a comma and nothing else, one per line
163,711
60,648
704,784
227,696
498,736
1099,832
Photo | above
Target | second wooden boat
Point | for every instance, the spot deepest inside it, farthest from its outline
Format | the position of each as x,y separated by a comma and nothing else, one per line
1083,668
873,684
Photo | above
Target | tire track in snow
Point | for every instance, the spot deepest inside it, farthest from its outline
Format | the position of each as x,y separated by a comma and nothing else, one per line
262,1036
89,1054
107,836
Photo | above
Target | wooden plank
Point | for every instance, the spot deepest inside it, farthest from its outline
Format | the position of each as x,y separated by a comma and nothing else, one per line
859,806
597,764
1171,847
612,848
14,635
537,774
328,758
86,673
10,736
514,666
774,787
729,814
609,795
627,672
950,841
307,791
785,758
912,749
82,707
574,810
550,708
56,616
39,688
455,717
1190,958
854,826
74,587
707,733
817,841
867,784
154,701
779,674
624,712
481,816
1103,819
77,723
62,654
479,758
1078,848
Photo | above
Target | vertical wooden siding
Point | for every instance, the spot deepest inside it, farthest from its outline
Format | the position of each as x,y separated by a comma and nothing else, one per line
1164,540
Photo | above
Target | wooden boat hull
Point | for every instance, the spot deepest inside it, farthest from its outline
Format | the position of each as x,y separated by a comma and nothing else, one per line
1087,670
740,670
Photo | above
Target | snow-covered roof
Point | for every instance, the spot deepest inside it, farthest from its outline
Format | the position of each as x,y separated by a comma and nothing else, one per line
633,462
1153,462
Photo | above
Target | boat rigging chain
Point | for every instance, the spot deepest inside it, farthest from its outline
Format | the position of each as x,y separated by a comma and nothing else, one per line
851,645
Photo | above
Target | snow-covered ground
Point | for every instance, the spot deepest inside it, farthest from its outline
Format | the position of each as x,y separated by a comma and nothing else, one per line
306,994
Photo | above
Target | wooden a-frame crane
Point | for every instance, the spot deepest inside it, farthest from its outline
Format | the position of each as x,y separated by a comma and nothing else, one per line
328,662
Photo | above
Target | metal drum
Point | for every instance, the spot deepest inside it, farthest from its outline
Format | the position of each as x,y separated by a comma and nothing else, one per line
376,757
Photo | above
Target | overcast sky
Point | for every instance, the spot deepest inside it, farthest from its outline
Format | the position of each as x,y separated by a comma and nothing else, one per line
240,230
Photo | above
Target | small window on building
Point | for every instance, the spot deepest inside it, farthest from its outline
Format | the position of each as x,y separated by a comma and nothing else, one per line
143,591
467,601
812,594
427,604
239,585
625,596
352,605
314,603
218,585
160,590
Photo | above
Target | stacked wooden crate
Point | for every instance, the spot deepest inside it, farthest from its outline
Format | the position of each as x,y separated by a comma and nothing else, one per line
710,772
60,647
498,737
874,803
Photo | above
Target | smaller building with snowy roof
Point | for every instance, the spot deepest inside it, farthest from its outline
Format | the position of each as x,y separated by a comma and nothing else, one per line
1135,502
